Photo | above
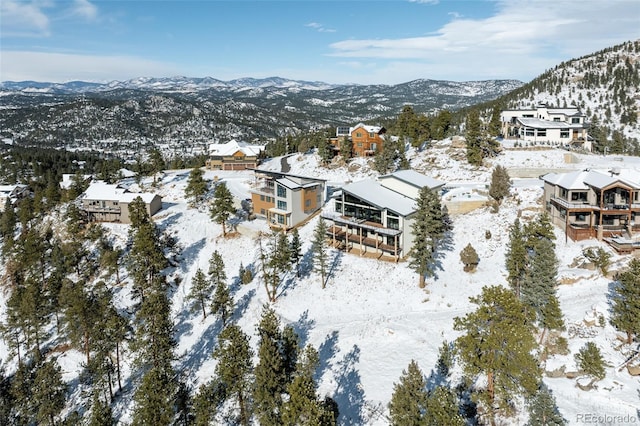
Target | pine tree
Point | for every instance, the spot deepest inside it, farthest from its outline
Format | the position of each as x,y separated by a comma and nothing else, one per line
81,316
539,283
138,214
22,394
157,164
110,258
543,410
222,303
498,341
324,150
154,341
625,309
200,293
101,413
516,257
442,408
234,368
276,261
303,406
146,258
428,230
408,403
8,222
7,404
48,392
154,399
196,186
469,258
500,183
295,250
346,148
473,137
590,362
495,124
270,378
222,207
319,248
539,229
207,401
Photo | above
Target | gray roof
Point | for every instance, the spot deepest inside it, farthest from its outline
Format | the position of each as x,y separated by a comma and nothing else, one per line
414,178
538,123
374,193
295,185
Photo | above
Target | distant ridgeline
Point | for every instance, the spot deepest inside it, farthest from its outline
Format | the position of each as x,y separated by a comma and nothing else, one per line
190,111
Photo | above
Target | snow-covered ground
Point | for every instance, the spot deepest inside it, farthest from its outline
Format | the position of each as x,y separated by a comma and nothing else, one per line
372,319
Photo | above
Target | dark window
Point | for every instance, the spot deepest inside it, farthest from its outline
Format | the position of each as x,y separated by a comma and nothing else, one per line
282,191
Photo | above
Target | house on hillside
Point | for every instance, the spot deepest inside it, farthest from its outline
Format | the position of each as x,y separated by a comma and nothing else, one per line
286,200
591,203
565,126
103,202
233,155
13,193
366,139
375,216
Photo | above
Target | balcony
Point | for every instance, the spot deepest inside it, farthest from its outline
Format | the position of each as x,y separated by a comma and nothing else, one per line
100,209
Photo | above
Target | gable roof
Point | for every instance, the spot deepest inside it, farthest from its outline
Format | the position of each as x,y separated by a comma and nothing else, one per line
592,178
366,128
234,146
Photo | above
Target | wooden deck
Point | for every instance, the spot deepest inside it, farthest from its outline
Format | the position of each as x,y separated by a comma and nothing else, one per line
354,242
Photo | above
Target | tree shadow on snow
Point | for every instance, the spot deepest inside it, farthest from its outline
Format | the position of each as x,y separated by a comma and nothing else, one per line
612,293
326,352
335,264
190,254
445,245
243,304
306,263
183,320
201,351
302,327
169,221
349,394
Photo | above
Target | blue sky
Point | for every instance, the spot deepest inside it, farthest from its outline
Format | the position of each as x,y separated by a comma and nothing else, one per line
358,41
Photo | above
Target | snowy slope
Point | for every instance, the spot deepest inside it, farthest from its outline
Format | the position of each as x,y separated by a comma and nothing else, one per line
372,318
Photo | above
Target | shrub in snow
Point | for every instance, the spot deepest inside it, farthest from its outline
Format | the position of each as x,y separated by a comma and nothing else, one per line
590,362
469,258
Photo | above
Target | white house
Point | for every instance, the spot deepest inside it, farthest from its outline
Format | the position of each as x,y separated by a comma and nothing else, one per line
376,216
566,126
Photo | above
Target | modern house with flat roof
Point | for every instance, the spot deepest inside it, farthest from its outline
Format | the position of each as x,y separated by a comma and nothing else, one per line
104,202
286,200
565,126
376,216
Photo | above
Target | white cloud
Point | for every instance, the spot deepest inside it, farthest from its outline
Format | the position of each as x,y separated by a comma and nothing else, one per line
61,67
320,28
25,19
85,9
425,1
535,35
